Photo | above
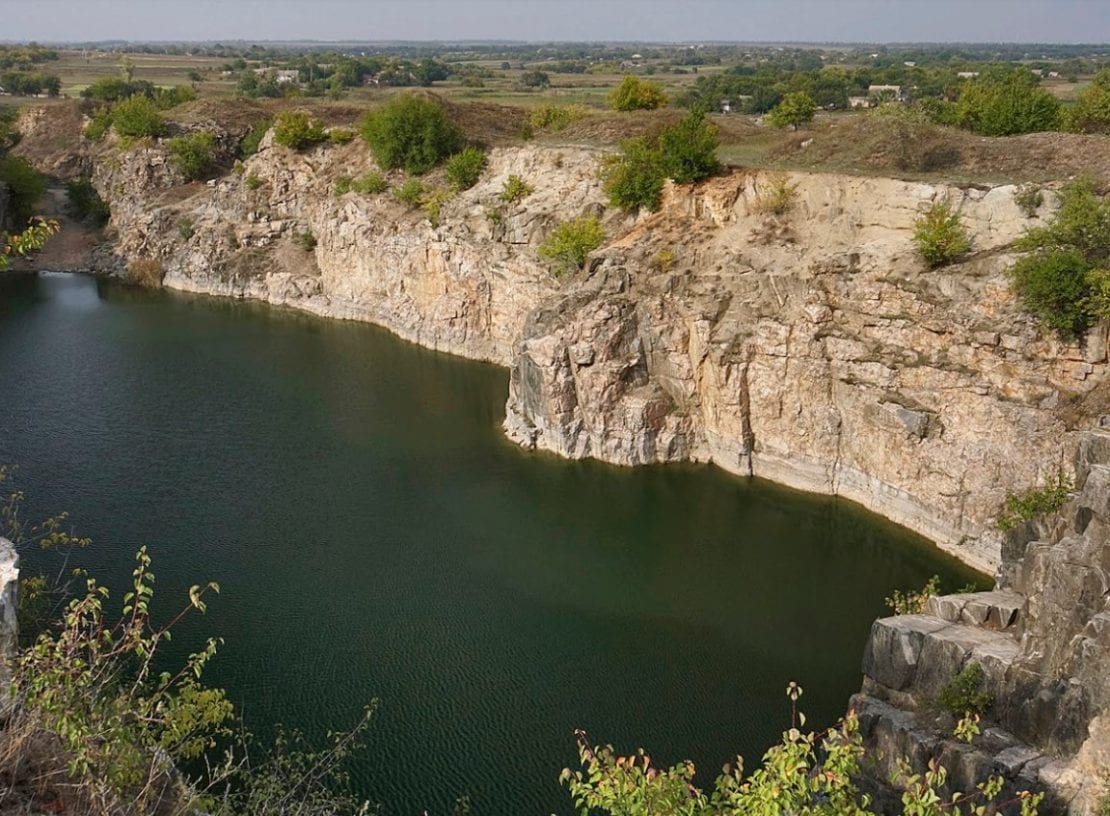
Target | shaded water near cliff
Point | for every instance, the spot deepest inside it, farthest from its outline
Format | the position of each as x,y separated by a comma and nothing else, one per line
375,536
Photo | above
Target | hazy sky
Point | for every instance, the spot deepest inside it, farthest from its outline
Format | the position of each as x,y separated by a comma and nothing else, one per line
657,20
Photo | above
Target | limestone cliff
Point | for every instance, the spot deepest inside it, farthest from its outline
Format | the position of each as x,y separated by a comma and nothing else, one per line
812,348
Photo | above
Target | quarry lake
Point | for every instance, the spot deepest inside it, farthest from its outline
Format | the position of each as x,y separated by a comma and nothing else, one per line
375,536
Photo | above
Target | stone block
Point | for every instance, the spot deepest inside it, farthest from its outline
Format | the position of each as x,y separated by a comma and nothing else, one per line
894,648
944,653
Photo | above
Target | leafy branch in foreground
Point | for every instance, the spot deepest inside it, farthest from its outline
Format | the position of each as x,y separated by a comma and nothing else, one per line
29,241
807,774
99,726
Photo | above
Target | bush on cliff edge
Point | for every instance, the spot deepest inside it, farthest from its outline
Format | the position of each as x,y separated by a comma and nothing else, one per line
410,132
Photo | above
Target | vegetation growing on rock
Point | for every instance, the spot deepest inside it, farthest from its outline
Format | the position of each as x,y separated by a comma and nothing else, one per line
940,235
1035,502
1063,280
137,117
85,202
571,242
297,130
465,167
685,152
194,154
963,695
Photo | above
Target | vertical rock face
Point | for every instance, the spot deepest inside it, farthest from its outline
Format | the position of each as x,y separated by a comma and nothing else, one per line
813,349
1042,640
810,347
9,624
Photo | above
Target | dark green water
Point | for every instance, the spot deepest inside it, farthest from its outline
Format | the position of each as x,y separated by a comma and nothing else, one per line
375,536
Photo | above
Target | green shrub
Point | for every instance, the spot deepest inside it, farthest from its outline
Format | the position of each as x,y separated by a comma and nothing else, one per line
249,145
1091,111
664,260
85,202
1053,285
912,601
465,168
297,130
1063,282
555,117
515,189
940,235
634,179
410,193
166,98
637,94
432,204
777,196
370,184
1029,199
252,181
410,132
689,149
193,154
685,152
1036,502
961,695
307,241
137,117
571,242
342,186
99,125
1006,106
340,135
185,228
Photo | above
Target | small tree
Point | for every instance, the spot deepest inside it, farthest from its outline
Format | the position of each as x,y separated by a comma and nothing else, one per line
297,130
794,110
535,79
690,149
634,179
940,235
571,242
637,94
410,132
1091,111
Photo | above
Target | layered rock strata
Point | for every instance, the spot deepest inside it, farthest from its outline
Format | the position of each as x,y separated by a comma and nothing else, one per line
810,347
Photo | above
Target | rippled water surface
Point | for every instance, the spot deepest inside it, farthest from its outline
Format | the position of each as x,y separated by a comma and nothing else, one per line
375,536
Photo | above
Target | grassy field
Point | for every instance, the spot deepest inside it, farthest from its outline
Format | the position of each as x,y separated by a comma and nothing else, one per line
497,114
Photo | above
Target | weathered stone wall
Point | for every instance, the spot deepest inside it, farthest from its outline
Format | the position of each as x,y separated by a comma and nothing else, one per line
1043,642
